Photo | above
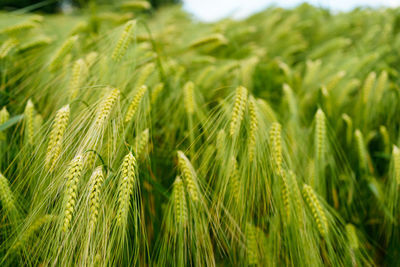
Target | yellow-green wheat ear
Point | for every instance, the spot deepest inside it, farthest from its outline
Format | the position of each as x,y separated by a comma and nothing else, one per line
35,227
368,85
316,209
60,54
253,127
352,236
123,41
320,134
220,144
136,5
361,150
211,39
125,189
180,206
135,103
56,137
71,190
7,46
189,176
6,195
141,144
238,110
396,163
106,107
78,72
4,116
252,247
156,92
235,179
188,91
29,114
145,72
96,182
276,146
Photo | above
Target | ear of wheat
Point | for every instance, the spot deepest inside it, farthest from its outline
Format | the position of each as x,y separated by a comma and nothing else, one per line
71,190
320,134
316,208
141,145
238,110
59,55
7,46
235,179
396,163
96,182
252,247
181,212
106,107
156,91
253,128
29,116
276,146
188,175
135,103
188,89
56,137
4,116
78,72
6,195
126,188
123,41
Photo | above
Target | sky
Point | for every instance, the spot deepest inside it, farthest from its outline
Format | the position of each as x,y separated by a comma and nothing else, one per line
212,10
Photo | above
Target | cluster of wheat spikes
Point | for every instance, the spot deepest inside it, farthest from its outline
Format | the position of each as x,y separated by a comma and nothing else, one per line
133,137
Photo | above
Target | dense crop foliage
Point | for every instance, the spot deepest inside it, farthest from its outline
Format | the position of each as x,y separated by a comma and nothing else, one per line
155,140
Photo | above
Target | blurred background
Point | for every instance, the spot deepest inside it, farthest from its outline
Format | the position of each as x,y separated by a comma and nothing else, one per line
205,10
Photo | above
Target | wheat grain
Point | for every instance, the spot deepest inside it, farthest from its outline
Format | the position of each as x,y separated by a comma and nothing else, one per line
6,195
189,175
135,103
276,146
144,74
29,116
396,163
180,206
71,190
316,208
156,91
59,55
320,134
253,128
126,188
235,179
352,236
77,76
368,85
4,116
123,41
22,26
106,107
41,41
96,182
36,225
142,141
188,93
238,110
56,137
362,152
136,5
252,247
7,46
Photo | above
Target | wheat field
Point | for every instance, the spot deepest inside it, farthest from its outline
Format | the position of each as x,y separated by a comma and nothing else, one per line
138,137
